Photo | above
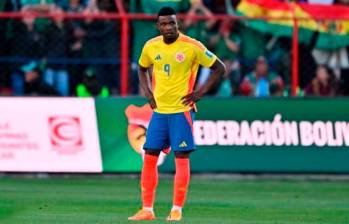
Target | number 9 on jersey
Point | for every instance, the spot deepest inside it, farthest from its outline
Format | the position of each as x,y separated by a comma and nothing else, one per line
167,69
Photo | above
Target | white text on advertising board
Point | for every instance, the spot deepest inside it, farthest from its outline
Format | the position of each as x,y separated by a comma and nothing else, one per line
272,133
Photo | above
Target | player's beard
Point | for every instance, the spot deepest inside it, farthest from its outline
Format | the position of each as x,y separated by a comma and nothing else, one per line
171,37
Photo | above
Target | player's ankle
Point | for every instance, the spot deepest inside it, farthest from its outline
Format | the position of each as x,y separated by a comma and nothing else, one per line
148,209
176,208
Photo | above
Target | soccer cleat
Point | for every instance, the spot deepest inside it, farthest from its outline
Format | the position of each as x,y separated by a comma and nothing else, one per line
175,215
142,215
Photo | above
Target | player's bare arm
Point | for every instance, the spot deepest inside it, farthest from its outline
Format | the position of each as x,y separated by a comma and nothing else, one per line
218,70
145,85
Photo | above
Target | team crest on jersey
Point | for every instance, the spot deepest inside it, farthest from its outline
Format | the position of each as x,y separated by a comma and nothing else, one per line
180,57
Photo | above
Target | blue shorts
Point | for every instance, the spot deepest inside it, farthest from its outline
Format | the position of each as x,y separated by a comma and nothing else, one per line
171,130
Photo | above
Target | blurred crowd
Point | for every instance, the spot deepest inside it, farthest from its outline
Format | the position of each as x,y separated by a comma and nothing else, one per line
66,53
81,57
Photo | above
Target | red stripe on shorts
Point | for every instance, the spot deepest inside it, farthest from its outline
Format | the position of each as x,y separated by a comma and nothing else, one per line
188,117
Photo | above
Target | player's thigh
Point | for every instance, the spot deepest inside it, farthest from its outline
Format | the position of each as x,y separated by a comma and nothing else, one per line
157,136
181,132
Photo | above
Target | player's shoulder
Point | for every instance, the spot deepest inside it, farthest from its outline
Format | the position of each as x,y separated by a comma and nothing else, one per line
191,41
153,41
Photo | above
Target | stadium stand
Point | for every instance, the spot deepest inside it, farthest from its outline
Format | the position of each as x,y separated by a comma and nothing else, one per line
31,30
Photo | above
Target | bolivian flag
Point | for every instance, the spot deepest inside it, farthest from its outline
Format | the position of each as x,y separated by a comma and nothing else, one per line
333,33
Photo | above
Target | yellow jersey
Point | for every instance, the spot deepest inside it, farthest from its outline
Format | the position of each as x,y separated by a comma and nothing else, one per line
174,69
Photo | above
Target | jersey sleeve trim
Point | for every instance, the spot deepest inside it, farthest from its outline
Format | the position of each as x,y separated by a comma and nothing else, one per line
213,61
192,41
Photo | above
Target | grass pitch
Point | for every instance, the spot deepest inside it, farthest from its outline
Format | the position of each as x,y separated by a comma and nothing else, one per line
92,199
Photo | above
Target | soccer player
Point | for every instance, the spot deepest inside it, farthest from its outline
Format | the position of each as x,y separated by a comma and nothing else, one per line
174,60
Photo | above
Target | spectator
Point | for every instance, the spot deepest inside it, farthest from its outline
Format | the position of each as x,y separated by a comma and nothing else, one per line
253,44
56,43
37,5
34,86
275,90
324,83
307,63
225,88
90,86
258,82
108,53
26,43
9,5
76,35
75,6
5,5
227,47
71,5
216,6
75,48
198,29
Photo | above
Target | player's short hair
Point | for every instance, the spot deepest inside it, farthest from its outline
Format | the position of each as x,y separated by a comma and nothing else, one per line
166,11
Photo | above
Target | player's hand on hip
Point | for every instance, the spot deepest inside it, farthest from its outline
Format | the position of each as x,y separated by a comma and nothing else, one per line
191,98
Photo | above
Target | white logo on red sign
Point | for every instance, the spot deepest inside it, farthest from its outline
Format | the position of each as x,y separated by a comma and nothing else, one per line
180,57
66,134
